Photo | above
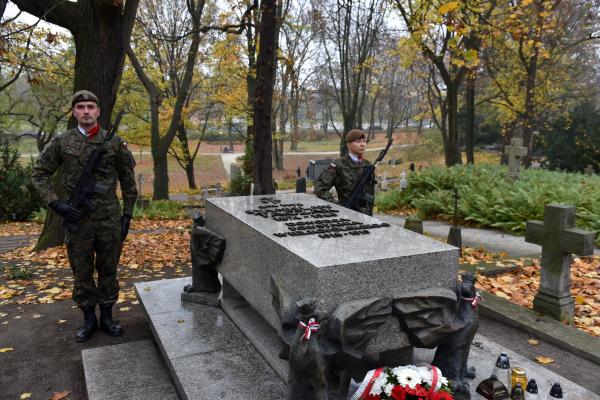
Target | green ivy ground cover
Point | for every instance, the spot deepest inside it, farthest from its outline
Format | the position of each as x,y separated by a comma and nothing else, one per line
489,200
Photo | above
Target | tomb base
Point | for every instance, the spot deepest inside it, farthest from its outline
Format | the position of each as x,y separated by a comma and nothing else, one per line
559,308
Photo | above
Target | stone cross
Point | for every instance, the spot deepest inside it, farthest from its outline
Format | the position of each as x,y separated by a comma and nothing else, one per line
516,151
559,239
384,182
141,180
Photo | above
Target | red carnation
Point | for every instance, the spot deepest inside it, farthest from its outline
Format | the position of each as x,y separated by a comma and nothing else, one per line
441,395
398,393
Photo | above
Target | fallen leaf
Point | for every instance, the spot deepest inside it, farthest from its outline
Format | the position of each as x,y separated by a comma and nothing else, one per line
61,321
60,395
180,321
533,342
36,316
6,349
544,360
147,289
25,396
579,300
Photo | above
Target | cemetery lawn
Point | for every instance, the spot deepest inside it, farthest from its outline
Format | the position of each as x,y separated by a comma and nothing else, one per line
208,170
522,283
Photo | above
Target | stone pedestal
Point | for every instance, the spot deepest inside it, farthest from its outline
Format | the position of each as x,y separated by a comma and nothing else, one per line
455,238
414,224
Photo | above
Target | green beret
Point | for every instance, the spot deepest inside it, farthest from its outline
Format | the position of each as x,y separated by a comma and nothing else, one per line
84,95
355,134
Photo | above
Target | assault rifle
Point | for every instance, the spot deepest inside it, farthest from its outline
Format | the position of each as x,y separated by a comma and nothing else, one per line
86,185
359,197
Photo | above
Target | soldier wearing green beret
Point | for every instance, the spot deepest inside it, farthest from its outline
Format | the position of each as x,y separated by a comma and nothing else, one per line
97,243
344,173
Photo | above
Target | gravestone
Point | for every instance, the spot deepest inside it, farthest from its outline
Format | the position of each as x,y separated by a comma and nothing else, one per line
403,181
455,234
301,185
559,239
323,251
516,151
414,224
384,182
315,167
235,171
589,170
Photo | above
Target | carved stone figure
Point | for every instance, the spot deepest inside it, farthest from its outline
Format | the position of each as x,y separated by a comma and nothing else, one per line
432,317
307,365
452,354
207,250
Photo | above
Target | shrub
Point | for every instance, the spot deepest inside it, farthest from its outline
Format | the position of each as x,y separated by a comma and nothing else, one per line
240,185
489,200
161,209
18,197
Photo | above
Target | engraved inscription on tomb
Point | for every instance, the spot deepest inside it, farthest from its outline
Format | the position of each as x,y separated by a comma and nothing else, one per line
312,220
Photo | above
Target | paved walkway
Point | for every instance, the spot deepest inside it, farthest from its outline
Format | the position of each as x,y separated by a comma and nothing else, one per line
8,243
492,240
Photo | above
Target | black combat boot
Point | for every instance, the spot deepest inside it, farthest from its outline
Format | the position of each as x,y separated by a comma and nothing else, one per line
90,324
107,323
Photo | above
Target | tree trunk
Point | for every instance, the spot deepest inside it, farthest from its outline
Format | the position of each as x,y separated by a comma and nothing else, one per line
161,176
529,115
263,103
470,133
453,156
100,31
348,126
187,158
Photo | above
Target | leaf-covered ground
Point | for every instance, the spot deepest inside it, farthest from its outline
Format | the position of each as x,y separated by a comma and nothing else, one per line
152,252
521,285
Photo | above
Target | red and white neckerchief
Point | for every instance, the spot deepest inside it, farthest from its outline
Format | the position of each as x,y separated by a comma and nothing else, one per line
93,132
474,300
309,328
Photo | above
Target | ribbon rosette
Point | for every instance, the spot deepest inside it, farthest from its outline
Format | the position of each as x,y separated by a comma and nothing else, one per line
309,328
474,300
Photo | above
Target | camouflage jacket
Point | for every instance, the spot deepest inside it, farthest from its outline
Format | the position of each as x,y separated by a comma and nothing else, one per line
71,150
345,174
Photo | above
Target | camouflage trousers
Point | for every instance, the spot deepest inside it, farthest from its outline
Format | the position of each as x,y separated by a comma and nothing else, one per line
95,246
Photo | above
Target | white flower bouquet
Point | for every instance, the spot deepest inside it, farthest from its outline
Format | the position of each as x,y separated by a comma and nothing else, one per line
403,383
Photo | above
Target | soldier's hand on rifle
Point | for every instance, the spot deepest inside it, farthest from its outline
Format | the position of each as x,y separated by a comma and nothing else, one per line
125,223
67,211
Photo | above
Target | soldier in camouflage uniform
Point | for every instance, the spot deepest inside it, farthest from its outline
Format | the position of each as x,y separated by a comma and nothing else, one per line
345,174
97,243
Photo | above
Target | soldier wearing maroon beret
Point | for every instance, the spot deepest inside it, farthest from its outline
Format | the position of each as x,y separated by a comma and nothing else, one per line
344,173
97,243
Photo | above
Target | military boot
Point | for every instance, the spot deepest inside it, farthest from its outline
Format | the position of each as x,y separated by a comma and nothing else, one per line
90,324
107,323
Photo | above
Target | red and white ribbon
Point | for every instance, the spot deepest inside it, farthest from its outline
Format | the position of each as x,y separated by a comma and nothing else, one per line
474,300
309,328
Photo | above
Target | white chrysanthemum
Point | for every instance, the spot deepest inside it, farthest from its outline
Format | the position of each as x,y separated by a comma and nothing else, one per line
388,389
408,376
378,385
427,376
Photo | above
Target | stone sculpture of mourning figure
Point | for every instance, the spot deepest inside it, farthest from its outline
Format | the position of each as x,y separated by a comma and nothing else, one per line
307,365
207,250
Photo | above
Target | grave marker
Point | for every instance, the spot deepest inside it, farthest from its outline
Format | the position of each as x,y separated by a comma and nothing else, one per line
516,151
559,239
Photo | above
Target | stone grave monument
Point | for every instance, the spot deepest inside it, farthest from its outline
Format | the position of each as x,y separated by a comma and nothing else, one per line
516,151
360,275
559,239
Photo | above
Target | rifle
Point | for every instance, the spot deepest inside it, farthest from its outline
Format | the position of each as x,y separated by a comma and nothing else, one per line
86,185
359,197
